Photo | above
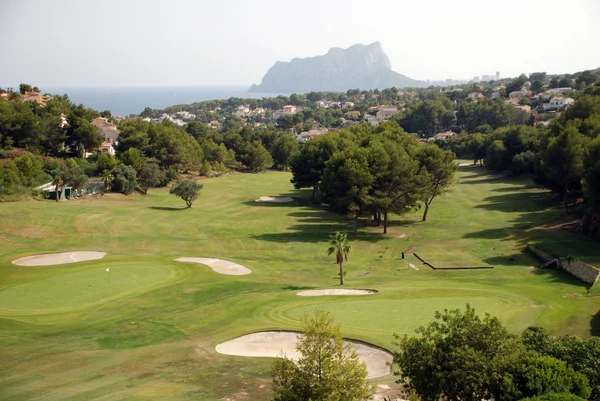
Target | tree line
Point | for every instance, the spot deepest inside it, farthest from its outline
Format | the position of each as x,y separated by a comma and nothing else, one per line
563,156
373,171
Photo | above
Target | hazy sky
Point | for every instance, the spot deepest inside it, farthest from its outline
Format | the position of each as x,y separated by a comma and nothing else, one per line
234,42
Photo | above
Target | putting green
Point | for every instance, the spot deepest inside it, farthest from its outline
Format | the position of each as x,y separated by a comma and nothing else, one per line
80,288
401,316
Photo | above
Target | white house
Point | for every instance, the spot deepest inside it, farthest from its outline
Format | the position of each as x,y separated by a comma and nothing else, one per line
308,135
242,111
558,103
445,135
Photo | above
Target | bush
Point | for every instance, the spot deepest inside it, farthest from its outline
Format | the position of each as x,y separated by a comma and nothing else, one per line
555,397
124,179
535,375
188,190
523,163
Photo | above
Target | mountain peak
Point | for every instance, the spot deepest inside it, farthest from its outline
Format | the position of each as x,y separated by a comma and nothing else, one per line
359,66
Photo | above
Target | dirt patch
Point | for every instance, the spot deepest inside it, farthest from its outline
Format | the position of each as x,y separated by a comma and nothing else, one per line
401,235
219,265
277,343
411,249
50,259
275,199
191,290
114,196
242,396
338,291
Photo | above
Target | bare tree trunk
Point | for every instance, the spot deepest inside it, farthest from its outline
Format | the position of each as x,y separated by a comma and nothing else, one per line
385,222
341,273
312,198
566,201
57,193
426,211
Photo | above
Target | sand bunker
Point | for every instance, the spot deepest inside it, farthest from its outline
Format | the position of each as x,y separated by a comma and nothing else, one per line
319,293
276,343
219,265
280,199
49,259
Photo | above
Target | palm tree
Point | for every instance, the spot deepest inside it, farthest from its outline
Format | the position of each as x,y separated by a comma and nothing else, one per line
107,175
341,247
58,183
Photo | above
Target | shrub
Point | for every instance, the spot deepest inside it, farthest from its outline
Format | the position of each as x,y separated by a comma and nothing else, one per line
124,179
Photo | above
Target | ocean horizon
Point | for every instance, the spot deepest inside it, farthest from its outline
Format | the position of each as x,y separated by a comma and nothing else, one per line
123,101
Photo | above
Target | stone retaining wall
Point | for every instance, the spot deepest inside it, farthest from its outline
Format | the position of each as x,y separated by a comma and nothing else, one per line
584,272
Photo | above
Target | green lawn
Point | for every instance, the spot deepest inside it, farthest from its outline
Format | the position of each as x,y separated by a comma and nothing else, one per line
67,332
76,289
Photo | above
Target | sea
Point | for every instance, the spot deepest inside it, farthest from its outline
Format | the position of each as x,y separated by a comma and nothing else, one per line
124,101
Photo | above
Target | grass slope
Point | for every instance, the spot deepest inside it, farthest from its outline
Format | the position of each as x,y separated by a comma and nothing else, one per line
150,333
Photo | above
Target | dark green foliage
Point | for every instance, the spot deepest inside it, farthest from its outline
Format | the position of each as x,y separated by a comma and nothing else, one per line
188,190
282,150
583,355
439,168
462,356
71,174
124,179
496,156
453,356
106,162
555,397
151,176
328,369
429,117
533,375
308,165
255,157
133,157
562,162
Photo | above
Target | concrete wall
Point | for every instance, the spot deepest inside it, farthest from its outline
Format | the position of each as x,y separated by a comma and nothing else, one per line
586,273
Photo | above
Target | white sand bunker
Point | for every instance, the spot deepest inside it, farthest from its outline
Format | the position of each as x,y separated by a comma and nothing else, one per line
219,265
276,343
49,259
319,293
277,199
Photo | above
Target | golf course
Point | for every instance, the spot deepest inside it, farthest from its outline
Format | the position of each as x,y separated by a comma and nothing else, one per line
137,324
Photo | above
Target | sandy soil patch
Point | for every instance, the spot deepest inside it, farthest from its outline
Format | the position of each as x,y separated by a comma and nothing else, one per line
219,265
277,199
338,291
465,164
276,343
59,258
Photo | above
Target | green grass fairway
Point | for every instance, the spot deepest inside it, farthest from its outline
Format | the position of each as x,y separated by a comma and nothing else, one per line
80,288
67,333
408,314
449,258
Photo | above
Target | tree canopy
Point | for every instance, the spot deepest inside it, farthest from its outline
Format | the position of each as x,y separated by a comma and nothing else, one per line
188,190
328,368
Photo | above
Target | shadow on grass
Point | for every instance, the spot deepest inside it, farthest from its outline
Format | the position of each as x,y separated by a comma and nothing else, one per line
296,287
595,324
559,276
519,202
300,198
317,225
168,208
490,233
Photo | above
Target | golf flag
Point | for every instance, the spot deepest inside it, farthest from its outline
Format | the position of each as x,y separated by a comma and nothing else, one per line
108,269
